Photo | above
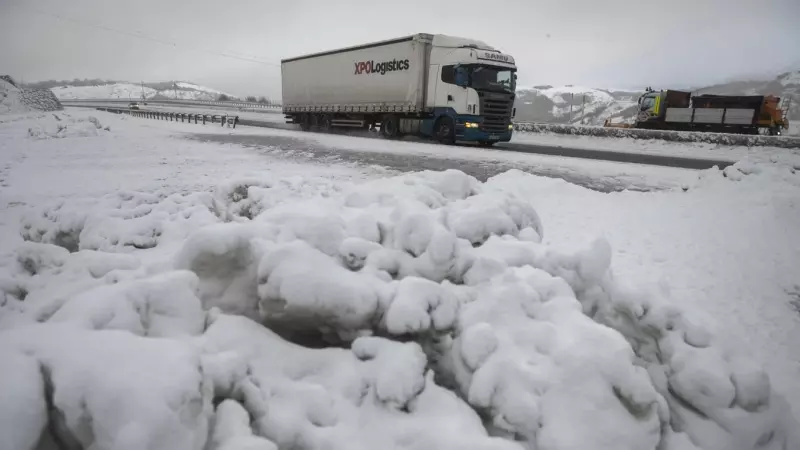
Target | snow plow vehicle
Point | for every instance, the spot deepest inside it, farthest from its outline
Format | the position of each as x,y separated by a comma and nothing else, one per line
741,114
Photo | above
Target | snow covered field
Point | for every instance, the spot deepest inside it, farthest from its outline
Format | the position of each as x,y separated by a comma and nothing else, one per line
162,293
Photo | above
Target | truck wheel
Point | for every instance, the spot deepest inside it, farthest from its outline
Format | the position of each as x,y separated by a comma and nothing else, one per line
445,131
389,127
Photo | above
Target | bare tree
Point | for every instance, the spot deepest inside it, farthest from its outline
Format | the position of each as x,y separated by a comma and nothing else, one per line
223,98
251,98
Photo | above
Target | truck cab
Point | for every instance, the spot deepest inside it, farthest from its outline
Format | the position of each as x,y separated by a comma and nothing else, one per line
471,86
655,106
650,106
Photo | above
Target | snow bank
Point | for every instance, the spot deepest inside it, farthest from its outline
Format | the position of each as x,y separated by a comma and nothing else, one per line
102,389
454,322
56,127
442,257
377,395
117,222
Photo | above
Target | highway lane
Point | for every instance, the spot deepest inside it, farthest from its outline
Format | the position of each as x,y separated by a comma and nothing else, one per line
272,120
604,155
311,148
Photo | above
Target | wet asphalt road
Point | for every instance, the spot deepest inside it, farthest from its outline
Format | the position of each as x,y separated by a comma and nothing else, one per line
308,150
604,155
311,151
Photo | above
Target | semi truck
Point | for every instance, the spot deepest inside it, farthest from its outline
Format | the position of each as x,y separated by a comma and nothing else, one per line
744,114
435,86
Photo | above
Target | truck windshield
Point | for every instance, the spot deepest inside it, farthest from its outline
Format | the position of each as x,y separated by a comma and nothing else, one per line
647,103
492,78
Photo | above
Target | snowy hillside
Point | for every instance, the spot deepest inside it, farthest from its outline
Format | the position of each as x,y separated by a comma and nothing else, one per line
592,106
116,90
14,100
587,105
181,90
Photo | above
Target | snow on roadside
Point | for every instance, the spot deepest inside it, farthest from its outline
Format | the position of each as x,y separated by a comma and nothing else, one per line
726,248
541,339
659,147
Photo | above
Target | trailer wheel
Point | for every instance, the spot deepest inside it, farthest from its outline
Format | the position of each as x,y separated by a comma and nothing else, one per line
389,126
305,122
325,123
445,131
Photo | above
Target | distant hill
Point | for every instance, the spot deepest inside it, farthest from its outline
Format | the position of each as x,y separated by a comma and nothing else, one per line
593,106
97,88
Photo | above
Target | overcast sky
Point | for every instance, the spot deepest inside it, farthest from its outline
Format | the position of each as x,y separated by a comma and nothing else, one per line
597,43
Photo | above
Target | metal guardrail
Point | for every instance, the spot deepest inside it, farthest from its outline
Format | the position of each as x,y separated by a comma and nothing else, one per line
176,102
223,119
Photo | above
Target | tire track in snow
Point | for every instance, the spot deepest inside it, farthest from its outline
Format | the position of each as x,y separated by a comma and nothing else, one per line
311,151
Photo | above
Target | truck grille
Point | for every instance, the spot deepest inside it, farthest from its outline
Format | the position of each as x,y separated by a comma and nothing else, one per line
496,111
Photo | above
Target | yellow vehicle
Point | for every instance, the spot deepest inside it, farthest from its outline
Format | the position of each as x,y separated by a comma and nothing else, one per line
742,114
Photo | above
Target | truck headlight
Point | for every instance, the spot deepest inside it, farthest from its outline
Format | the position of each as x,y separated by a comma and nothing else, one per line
511,126
471,125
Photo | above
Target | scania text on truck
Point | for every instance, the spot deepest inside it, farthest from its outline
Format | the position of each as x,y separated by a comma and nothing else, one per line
743,114
441,87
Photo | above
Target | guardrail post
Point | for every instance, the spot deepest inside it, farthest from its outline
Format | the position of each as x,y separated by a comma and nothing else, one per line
195,119
204,119
235,120
223,119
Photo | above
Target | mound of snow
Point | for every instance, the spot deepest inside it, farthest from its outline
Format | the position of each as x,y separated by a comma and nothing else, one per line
377,395
56,127
100,389
117,222
449,322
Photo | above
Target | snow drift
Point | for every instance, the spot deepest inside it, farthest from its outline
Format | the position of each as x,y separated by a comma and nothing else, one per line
430,311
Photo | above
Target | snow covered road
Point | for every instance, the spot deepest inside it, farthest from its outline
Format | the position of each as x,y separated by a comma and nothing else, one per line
480,163
687,156
148,271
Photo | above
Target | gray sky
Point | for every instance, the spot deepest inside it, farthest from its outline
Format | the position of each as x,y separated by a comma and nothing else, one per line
597,43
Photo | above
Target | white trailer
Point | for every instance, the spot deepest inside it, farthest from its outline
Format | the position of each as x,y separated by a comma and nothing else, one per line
430,85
